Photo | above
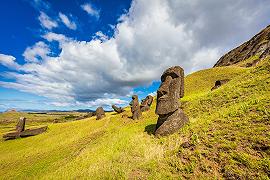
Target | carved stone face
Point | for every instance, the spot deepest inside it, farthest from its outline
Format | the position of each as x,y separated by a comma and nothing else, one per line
147,101
135,107
170,90
134,103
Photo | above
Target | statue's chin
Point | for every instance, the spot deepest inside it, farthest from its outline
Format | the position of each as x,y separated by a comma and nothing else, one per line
166,107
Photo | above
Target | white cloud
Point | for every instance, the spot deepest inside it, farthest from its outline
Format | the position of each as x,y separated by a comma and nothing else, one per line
154,35
153,94
67,22
9,61
103,102
46,21
90,10
50,36
37,52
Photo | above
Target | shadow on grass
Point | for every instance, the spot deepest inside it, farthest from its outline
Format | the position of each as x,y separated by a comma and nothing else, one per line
150,129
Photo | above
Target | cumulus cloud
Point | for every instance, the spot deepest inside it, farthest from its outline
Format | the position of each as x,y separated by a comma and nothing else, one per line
8,61
67,21
37,52
87,7
46,21
152,36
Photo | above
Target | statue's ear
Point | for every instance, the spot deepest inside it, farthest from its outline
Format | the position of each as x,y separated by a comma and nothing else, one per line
182,89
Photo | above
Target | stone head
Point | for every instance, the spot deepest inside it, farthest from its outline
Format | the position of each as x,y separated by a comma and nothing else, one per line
170,90
134,103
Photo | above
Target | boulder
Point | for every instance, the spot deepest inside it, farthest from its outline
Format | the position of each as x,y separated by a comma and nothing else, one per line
219,83
100,113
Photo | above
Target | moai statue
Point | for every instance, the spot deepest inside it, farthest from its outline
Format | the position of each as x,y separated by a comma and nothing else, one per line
135,107
171,117
21,124
100,113
22,132
117,109
146,103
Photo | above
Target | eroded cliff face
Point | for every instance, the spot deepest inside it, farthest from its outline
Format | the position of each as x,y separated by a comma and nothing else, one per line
259,46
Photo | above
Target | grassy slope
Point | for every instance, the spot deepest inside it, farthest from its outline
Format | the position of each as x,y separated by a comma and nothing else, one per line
228,131
8,120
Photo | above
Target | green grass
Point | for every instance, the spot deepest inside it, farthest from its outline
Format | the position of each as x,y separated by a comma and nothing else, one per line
228,132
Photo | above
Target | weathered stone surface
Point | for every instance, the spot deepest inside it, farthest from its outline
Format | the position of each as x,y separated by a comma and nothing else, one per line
171,117
219,83
21,124
100,113
258,45
26,133
21,132
117,109
169,123
146,103
135,107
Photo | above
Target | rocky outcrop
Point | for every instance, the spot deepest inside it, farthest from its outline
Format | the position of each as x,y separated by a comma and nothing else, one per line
259,45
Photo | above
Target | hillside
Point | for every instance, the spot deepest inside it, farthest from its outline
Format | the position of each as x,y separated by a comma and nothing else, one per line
227,137
252,51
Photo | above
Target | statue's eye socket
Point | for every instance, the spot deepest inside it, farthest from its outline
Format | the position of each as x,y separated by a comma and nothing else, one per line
173,75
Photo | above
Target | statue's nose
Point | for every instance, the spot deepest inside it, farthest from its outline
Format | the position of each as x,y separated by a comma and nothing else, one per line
164,87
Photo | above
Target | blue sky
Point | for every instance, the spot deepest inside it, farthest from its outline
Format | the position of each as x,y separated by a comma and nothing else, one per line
83,54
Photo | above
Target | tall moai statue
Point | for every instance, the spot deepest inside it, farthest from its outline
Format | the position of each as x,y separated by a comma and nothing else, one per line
171,117
135,107
146,103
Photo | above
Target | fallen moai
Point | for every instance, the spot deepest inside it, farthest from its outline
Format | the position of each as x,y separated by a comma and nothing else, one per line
135,107
117,109
21,132
146,103
171,117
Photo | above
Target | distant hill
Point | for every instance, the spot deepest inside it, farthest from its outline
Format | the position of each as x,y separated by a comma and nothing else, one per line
252,51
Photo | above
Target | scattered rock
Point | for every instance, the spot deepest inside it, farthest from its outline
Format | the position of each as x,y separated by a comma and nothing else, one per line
186,144
146,103
56,121
219,83
117,109
100,113
135,107
171,117
124,116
